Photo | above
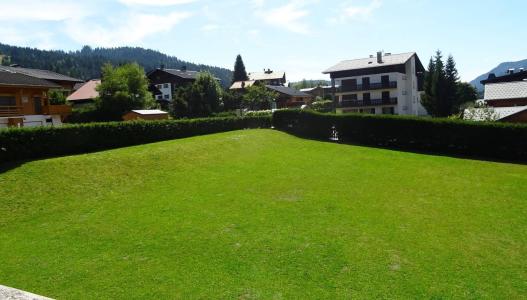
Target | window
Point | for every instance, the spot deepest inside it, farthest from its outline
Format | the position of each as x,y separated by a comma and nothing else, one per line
385,80
167,97
366,82
159,97
7,101
388,110
165,85
351,97
366,96
350,84
372,111
385,95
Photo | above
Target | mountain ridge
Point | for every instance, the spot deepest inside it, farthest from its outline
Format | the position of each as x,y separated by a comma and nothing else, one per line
86,63
500,70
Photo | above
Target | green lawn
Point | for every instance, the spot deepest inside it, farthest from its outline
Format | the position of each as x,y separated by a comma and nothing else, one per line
259,214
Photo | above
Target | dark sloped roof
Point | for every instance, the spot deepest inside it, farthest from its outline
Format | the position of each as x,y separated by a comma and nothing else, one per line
518,76
18,79
287,91
178,73
42,74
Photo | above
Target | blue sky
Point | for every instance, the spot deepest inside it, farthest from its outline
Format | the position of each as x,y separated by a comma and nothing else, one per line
301,37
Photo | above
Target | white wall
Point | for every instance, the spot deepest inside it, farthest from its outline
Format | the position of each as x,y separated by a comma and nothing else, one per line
408,96
35,121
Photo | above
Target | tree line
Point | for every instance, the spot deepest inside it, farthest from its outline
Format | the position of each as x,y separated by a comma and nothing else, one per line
87,63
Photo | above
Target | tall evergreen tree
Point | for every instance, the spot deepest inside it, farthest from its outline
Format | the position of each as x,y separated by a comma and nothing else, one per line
451,83
428,98
240,74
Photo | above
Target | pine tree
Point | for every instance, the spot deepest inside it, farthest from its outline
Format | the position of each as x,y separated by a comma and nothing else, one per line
240,74
428,97
451,87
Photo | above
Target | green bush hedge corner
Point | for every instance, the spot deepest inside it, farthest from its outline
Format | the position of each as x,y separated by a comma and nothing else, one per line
503,141
41,142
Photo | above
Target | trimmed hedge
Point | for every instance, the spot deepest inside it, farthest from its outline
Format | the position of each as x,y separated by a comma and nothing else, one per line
496,140
40,142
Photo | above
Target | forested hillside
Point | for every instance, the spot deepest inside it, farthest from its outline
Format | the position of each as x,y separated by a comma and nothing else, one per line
86,63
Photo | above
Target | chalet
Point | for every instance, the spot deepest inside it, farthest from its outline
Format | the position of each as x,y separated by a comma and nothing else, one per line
289,97
383,84
65,83
85,93
147,115
319,91
24,101
164,82
505,98
268,77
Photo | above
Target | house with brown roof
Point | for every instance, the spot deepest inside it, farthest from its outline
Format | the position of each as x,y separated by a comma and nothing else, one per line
85,93
24,100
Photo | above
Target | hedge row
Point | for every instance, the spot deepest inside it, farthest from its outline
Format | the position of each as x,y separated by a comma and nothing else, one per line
442,136
31,143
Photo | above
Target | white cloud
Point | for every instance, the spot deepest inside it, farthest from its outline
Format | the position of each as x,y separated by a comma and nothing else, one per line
289,17
156,2
49,10
354,12
131,29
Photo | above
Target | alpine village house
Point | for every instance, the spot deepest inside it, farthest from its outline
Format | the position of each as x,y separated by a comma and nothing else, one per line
164,82
275,81
385,84
505,99
24,97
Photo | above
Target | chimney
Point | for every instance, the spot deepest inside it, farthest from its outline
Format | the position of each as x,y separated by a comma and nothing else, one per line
521,70
492,76
510,71
379,57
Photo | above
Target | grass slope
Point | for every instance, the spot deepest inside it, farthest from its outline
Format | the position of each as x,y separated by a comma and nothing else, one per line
261,214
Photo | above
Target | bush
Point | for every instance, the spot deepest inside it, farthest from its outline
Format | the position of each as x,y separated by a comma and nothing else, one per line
322,106
40,142
56,97
455,137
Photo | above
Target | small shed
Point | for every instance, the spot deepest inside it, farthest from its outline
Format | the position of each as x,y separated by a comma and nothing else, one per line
149,115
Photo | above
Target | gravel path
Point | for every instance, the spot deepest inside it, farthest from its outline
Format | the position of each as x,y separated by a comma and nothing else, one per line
7,293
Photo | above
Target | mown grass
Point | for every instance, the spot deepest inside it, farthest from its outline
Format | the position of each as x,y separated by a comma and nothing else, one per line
260,214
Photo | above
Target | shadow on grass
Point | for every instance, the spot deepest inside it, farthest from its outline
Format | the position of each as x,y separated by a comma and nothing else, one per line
8,166
407,150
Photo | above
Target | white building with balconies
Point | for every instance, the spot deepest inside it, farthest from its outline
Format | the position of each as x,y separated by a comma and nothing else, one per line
385,84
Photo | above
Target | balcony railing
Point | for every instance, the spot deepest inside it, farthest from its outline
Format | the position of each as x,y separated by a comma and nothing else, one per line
371,102
10,111
62,110
368,87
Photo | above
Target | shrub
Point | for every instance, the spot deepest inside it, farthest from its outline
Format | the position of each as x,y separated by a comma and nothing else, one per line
40,142
56,97
487,140
322,105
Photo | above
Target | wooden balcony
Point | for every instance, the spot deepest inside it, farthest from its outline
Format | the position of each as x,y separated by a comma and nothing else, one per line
62,110
10,111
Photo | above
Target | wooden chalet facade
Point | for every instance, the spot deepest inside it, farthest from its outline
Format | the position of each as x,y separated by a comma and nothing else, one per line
24,101
289,97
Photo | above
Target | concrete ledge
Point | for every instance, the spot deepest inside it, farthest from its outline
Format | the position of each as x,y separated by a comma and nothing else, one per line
7,293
